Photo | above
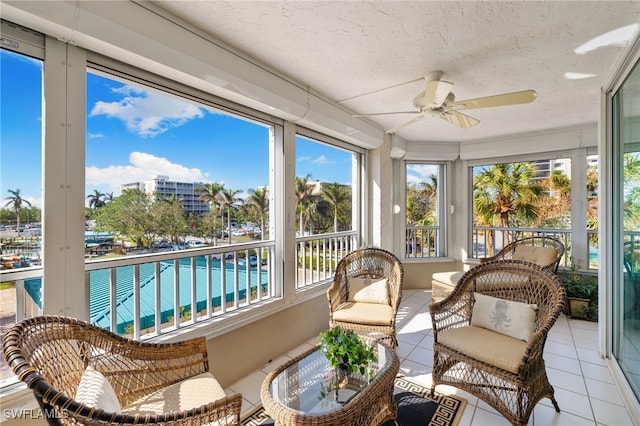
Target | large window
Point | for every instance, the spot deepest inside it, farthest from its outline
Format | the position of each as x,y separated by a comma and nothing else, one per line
20,186
204,172
326,190
626,271
520,199
166,173
424,209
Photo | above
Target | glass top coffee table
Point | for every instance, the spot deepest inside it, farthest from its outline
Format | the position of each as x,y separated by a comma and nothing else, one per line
307,391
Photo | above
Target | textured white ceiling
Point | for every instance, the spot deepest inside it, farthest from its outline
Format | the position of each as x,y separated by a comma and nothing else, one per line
349,48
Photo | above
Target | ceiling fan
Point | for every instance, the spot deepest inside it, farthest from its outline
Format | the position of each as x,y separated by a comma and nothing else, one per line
438,99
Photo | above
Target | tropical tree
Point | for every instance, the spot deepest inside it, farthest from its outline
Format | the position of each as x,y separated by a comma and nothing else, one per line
258,202
505,195
304,198
631,167
16,202
210,193
554,209
422,202
96,200
229,201
130,214
336,195
169,215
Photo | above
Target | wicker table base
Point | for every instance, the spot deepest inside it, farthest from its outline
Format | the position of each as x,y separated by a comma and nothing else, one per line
300,392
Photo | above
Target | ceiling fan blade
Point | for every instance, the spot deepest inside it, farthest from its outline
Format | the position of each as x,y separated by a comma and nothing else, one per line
523,97
459,119
436,93
386,113
405,124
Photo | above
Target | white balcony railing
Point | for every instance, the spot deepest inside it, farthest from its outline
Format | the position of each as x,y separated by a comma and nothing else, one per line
318,255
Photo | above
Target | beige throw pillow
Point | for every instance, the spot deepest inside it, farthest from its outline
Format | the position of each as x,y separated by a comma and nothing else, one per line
514,319
95,390
368,290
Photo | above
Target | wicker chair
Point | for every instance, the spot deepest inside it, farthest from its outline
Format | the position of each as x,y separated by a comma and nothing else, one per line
506,372
511,252
361,316
51,354
532,249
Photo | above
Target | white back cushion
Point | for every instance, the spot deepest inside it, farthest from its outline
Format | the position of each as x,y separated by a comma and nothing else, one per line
95,390
368,290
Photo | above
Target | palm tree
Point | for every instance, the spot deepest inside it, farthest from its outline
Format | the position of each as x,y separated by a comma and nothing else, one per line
504,192
228,200
422,202
109,197
554,209
631,191
16,201
259,202
210,193
96,199
335,194
304,198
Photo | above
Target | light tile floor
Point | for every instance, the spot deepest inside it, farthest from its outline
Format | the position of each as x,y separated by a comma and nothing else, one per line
583,385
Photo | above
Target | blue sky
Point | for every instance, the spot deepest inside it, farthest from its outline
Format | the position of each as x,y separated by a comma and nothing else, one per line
134,133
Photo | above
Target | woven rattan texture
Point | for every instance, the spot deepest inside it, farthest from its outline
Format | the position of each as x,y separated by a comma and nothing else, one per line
507,252
372,406
513,395
50,354
367,263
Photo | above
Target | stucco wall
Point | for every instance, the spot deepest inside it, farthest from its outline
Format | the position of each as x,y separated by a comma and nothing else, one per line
418,275
234,355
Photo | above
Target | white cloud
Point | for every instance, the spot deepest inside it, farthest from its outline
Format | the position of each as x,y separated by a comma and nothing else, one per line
95,135
304,158
143,167
147,113
322,160
422,172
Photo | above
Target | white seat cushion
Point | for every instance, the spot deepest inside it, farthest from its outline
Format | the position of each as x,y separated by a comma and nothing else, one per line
485,345
364,313
450,277
190,393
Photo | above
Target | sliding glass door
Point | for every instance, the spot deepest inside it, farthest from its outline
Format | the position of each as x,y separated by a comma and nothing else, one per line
626,259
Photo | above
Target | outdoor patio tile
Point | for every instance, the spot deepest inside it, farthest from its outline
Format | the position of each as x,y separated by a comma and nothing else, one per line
249,386
570,402
562,379
544,415
421,355
485,415
604,391
586,343
610,414
559,362
562,349
596,372
591,356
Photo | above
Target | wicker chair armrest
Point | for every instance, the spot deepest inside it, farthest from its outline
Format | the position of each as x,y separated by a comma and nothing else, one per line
395,287
451,312
226,410
337,291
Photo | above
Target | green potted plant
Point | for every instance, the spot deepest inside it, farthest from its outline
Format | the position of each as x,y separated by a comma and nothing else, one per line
345,350
581,289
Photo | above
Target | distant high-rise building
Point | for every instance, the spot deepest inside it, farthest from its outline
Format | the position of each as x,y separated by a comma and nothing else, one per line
185,192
